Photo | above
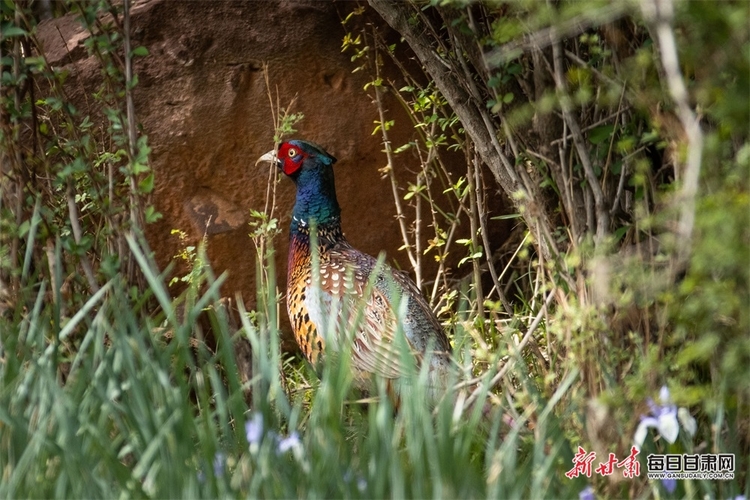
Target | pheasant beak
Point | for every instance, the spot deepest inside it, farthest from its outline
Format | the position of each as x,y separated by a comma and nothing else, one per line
269,157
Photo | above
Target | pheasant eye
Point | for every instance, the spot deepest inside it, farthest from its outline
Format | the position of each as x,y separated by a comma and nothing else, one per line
292,153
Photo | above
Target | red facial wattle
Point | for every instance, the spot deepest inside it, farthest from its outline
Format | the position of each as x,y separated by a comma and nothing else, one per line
291,158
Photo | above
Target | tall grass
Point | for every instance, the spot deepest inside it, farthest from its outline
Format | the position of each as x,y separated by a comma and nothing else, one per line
134,410
129,412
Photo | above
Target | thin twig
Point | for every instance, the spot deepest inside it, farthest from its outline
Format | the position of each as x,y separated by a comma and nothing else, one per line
17,159
620,188
482,212
593,125
511,360
519,174
553,34
573,57
394,184
602,215
135,222
661,13
433,213
569,197
471,165
77,235
612,141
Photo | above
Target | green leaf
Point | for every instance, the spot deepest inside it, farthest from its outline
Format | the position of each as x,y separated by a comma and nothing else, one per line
53,102
146,185
86,123
9,31
140,168
77,166
134,82
650,137
600,134
24,228
35,61
87,241
620,232
507,216
617,167
403,148
152,215
139,51
143,149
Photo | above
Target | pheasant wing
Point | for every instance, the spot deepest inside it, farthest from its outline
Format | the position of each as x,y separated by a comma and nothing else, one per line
358,309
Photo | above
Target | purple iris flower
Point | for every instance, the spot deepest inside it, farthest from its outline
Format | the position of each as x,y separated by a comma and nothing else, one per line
219,462
288,443
361,481
663,418
670,484
362,485
254,429
587,494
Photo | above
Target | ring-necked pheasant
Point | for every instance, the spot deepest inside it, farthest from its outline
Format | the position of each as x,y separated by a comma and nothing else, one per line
341,297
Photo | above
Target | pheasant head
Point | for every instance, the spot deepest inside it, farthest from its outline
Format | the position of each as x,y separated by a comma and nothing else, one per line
311,169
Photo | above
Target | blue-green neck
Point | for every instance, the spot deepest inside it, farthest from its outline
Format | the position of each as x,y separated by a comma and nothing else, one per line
316,199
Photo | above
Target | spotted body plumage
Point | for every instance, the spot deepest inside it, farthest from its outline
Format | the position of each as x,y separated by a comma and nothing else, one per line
352,291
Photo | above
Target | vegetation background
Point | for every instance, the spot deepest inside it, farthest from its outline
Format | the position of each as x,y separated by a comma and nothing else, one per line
618,130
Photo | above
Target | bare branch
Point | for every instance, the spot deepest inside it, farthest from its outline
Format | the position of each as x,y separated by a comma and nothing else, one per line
660,14
511,361
397,15
413,259
545,37
135,222
471,166
75,225
474,116
602,214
